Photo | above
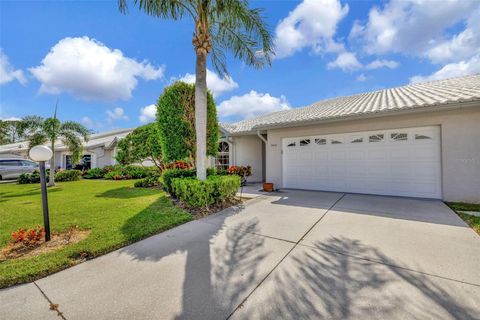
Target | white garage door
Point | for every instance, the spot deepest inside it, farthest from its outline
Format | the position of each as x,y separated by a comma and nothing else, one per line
402,162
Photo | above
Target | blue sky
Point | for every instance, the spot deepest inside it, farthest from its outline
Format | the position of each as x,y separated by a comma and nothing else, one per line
107,69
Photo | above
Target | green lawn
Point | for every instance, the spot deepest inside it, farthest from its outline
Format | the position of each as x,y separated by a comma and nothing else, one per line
472,221
116,213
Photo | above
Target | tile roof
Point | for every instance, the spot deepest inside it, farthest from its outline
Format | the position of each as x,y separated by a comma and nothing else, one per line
410,97
95,140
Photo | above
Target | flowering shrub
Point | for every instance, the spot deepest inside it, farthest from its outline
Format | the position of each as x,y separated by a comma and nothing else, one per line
177,165
28,237
242,171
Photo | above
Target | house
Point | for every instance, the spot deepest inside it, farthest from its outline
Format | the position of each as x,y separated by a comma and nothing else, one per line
99,151
419,140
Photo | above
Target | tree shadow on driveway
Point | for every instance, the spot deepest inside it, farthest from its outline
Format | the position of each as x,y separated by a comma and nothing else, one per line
318,283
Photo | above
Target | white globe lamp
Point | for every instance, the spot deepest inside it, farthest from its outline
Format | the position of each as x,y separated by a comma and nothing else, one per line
40,153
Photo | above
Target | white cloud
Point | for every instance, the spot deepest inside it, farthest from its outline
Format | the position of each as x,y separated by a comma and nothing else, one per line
346,61
215,84
89,123
10,119
380,63
312,24
148,113
251,104
462,68
89,70
8,73
116,114
361,78
410,26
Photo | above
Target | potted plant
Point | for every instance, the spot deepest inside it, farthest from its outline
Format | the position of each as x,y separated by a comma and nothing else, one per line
268,186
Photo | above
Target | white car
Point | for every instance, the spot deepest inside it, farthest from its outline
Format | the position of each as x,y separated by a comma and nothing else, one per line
12,168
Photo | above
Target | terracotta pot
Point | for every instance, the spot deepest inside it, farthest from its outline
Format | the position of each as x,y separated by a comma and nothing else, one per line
267,186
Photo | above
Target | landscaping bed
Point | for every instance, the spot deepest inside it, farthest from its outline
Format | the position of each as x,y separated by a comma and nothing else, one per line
114,213
463,209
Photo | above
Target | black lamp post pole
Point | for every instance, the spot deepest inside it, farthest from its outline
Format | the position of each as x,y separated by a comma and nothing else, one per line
43,183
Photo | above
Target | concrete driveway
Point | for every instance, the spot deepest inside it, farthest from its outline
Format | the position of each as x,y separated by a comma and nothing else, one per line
290,255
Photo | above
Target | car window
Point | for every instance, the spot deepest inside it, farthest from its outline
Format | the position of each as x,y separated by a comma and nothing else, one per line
10,163
29,163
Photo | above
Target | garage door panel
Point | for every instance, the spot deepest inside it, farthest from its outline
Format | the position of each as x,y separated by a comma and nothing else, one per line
404,162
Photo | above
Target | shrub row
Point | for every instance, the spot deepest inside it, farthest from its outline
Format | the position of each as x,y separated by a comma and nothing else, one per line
198,194
60,176
148,182
120,172
170,174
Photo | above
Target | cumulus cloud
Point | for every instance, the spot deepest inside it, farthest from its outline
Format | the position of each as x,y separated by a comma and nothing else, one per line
346,61
8,73
361,78
462,68
89,123
312,24
89,70
116,114
215,84
148,113
410,26
10,119
379,63
251,104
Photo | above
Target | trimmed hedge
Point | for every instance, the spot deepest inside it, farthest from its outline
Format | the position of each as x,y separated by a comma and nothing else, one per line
199,194
68,175
120,172
33,177
95,173
148,182
169,175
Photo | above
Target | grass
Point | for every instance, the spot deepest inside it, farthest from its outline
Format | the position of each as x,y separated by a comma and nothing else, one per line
472,221
116,213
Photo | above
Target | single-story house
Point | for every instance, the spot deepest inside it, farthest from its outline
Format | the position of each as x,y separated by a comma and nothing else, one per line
419,140
99,151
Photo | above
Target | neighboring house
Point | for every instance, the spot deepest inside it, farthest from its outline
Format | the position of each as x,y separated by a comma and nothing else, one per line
99,151
420,140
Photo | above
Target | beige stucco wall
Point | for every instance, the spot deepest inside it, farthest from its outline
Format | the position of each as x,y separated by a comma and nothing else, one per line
248,152
460,131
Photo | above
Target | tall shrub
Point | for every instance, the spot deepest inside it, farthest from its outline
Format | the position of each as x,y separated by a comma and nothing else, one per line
176,123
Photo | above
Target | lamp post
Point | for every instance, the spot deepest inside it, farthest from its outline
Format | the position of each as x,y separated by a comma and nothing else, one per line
42,154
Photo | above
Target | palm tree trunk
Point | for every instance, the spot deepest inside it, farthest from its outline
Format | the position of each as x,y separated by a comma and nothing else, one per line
51,180
201,113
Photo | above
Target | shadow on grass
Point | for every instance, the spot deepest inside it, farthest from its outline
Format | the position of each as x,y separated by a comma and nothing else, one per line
128,193
7,195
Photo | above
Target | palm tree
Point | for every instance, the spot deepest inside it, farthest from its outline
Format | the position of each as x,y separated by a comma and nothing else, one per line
40,131
220,26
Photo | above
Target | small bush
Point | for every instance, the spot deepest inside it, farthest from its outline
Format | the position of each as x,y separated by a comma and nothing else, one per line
148,182
33,177
199,194
169,175
95,173
68,175
120,172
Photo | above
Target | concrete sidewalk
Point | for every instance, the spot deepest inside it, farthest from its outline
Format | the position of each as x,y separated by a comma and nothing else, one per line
287,255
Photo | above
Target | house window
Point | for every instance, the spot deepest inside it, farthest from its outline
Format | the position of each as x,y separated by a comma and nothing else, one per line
291,144
320,141
304,142
336,141
223,157
356,140
376,138
422,137
399,136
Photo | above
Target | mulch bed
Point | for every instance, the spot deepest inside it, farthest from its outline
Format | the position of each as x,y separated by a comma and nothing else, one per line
198,213
57,241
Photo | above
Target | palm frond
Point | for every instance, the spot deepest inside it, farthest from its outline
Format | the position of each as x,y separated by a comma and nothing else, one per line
74,144
237,28
36,139
29,124
76,128
167,9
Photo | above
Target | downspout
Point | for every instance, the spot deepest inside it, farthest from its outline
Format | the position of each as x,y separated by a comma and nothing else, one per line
230,140
261,137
